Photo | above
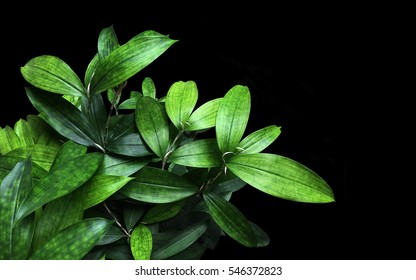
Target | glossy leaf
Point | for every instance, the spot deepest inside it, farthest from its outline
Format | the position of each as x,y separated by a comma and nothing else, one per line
131,102
74,242
179,241
89,73
62,180
204,116
67,151
230,219
232,117
64,117
259,140
180,102
15,185
262,237
152,123
202,153
158,186
52,74
101,187
128,59
141,243
281,177
148,87
112,235
132,214
96,113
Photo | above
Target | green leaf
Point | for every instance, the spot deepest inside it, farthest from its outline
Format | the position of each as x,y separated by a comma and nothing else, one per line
112,235
131,102
262,237
22,237
204,116
141,243
15,185
67,151
179,241
64,117
158,186
24,132
121,165
148,87
51,74
124,138
107,42
94,109
101,187
162,212
74,242
9,140
58,215
259,140
132,214
230,219
62,180
152,124
180,102
232,117
128,59
42,155
202,153
42,132
281,177
89,73
7,164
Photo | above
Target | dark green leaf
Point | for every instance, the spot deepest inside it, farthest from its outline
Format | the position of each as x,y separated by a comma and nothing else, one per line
94,109
232,117
112,235
7,164
15,185
262,237
179,241
230,219
107,42
257,141
141,243
281,177
51,74
162,212
153,125
132,214
74,242
202,153
180,102
22,237
64,117
68,150
204,117
158,186
64,179
128,59
42,132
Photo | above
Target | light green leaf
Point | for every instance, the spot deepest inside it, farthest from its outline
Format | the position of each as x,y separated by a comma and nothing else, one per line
7,164
107,42
158,186
24,132
67,151
232,117
204,116
148,87
62,180
179,241
141,243
42,155
89,73
230,219
127,60
101,187
180,102
121,165
152,124
9,140
64,117
202,153
281,177
74,242
51,74
259,140
42,132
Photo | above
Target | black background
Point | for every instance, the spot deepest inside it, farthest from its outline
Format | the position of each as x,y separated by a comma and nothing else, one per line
303,68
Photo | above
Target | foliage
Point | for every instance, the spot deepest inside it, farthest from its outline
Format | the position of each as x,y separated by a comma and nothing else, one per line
98,176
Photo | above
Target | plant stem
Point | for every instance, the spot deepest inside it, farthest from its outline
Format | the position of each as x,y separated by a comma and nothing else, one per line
116,220
117,94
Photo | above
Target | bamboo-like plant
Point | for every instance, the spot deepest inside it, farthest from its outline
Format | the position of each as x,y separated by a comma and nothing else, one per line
100,175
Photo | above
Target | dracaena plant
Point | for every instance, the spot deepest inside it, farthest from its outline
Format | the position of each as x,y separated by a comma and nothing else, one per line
101,175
